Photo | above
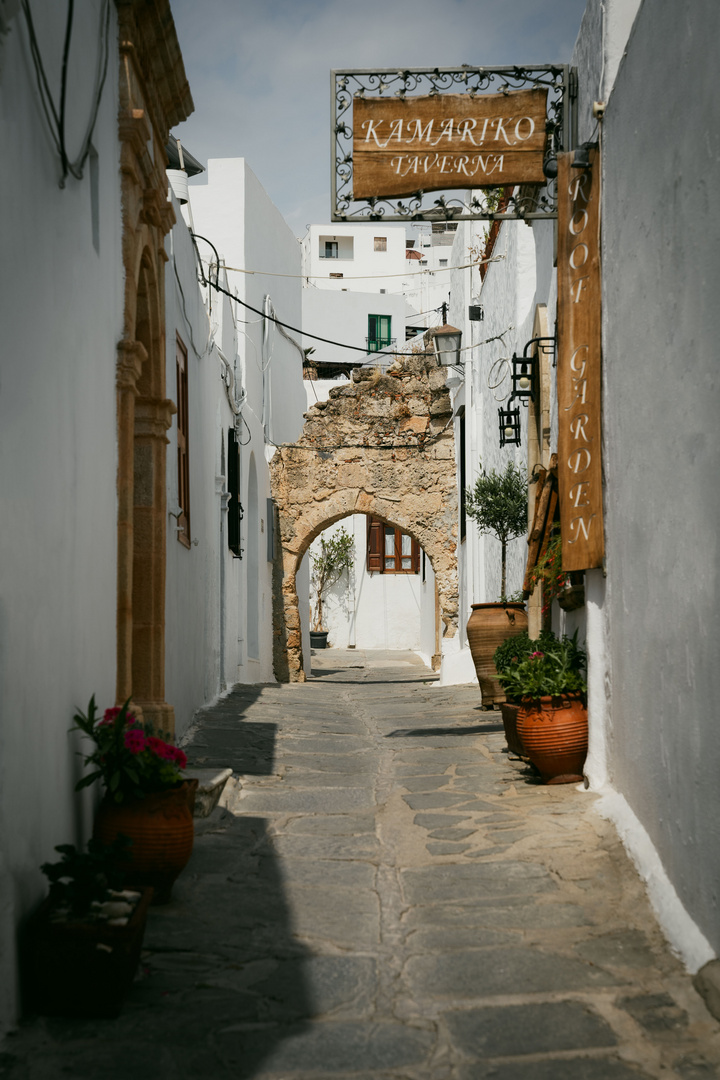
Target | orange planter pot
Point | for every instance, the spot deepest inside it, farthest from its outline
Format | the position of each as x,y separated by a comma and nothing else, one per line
554,733
488,626
161,828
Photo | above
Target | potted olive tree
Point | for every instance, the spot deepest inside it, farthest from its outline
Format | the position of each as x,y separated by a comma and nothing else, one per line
498,505
334,558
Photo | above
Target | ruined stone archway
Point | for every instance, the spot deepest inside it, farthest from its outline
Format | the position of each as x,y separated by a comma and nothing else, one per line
382,444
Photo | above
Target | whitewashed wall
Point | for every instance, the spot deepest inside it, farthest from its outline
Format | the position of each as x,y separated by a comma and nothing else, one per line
343,317
512,287
235,213
661,327
61,297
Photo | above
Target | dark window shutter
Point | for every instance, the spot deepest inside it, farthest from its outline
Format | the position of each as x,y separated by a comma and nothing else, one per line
416,557
235,510
375,542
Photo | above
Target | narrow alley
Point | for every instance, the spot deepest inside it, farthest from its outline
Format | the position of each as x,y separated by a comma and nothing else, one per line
387,894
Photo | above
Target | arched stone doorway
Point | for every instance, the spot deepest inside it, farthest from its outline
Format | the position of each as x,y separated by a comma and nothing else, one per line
382,445
149,107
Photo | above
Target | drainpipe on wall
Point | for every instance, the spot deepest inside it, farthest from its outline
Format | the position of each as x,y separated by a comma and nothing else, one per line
265,358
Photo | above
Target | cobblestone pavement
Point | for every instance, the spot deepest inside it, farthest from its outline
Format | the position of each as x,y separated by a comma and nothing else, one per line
389,896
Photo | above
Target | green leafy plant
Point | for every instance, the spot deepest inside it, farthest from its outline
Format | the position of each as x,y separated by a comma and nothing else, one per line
548,570
328,565
556,668
498,505
128,758
82,878
518,648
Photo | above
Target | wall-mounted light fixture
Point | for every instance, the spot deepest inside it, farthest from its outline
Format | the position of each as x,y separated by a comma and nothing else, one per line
523,377
509,422
446,343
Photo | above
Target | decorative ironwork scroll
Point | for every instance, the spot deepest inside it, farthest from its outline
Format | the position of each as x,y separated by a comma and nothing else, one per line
529,197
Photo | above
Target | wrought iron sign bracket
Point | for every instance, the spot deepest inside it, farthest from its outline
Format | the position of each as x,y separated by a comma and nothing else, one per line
525,202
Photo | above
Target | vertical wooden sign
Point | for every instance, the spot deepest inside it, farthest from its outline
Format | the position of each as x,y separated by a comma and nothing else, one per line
578,366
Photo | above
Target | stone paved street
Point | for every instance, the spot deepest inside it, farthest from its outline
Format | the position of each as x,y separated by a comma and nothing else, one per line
387,895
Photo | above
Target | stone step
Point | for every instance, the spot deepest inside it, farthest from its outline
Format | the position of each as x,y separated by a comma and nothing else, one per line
211,785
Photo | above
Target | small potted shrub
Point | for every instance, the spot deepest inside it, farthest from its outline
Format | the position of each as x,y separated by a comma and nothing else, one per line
146,796
334,558
552,720
82,946
512,652
498,505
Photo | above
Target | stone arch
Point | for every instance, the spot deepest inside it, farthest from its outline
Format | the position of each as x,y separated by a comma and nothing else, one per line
382,445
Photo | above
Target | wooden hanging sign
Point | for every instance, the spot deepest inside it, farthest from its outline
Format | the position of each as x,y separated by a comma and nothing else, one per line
432,142
578,364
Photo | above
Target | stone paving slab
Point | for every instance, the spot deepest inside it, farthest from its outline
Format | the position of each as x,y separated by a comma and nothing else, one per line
386,895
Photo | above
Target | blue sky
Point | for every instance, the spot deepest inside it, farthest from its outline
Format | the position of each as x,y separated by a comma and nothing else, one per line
259,71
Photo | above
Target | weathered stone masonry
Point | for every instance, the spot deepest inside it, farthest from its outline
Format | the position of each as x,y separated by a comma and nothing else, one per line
382,444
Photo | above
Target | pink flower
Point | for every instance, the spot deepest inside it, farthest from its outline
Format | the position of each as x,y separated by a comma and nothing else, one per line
158,747
111,715
178,757
134,741
533,655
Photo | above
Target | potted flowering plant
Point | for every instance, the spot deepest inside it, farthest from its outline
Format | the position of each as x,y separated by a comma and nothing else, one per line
146,796
552,720
128,758
82,946
507,656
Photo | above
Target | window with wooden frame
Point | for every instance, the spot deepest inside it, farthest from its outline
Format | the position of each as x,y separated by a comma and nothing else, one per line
380,243
181,371
391,551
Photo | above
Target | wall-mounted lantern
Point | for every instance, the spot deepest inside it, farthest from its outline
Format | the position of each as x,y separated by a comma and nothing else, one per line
446,343
509,421
523,376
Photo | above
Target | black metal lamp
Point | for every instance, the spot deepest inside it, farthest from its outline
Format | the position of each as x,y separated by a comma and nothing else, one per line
509,421
523,376
446,343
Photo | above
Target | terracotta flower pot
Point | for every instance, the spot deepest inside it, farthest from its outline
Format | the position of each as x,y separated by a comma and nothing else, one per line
510,710
554,732
160,826
78,967
488,626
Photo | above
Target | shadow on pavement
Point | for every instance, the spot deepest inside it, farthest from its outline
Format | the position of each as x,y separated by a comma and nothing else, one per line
411,733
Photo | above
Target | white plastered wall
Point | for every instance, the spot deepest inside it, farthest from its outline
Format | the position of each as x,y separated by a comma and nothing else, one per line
61,295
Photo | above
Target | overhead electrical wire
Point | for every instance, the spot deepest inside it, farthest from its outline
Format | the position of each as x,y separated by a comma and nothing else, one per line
56,116
365,277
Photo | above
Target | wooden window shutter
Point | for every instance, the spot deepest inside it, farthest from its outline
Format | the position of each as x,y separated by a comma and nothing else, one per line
182,443
375,542
235,510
